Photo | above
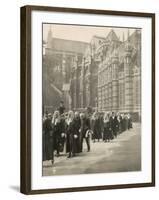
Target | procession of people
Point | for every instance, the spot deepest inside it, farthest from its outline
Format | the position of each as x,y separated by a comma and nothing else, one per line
67,131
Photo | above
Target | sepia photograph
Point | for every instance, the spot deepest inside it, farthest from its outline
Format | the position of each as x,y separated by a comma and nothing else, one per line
91,99
87,99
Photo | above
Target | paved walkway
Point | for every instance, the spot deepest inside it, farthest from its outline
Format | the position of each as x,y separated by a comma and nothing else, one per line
120,155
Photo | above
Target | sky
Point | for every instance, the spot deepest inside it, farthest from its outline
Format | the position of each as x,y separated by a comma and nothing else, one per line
82,33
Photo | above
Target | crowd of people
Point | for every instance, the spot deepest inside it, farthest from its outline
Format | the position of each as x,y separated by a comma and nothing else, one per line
70,130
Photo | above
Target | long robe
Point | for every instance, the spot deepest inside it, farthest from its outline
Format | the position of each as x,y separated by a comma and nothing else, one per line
72,138
48,146
85,126
77,141
114,125
107,135
58,129
96,128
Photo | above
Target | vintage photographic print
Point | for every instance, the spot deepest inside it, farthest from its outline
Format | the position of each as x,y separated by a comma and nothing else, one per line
87,99
91,99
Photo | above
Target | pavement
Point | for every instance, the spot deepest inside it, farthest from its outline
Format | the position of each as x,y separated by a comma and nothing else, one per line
123,154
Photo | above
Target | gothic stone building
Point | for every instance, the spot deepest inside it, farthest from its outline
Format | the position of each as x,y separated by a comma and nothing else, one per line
103,74
119,74
58,58
108,78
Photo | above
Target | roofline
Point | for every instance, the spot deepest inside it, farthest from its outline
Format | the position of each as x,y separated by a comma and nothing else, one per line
71,40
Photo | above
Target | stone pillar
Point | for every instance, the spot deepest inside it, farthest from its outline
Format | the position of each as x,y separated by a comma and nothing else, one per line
75,83
136,91
115,83
128,80
121,89
82,84
106,89
109,88
99,90
88,86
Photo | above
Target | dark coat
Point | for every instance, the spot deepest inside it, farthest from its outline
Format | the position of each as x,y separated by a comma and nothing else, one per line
77,141
96,128
71,141
85,125
129,123
58,129
120,124
48,147
107,135
114,125
61,109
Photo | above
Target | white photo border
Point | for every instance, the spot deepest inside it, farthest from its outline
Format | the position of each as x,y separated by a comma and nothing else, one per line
38,182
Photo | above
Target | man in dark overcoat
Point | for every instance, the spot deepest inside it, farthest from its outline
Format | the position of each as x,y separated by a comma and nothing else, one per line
77,135
114,124
84,130
58,129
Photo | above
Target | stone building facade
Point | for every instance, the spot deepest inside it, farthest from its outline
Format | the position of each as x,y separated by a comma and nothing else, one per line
104,74
58,58
119,74
109,76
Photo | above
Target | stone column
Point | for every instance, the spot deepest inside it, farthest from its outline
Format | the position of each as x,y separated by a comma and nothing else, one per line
109,87
121,89
136,91
75,82
115,83
88,88
106,89
82,84
99,90
128,80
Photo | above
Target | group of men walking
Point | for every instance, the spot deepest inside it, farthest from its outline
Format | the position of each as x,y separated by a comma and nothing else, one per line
70,129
